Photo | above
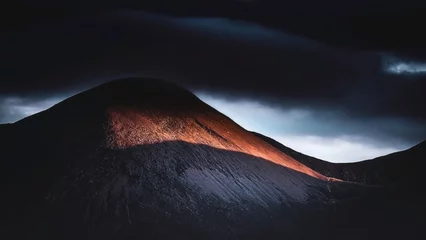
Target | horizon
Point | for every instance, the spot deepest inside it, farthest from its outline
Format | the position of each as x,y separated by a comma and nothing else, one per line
331,102
340,149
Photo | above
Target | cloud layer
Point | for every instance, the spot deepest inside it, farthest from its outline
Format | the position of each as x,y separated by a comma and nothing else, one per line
320,134
314,90
210,53
13,109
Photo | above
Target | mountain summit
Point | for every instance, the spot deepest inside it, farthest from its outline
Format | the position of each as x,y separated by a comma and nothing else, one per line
138,111
123,157
146,159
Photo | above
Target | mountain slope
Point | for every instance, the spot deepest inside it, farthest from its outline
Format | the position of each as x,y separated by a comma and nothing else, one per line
135,111
118,160
145,159
396,168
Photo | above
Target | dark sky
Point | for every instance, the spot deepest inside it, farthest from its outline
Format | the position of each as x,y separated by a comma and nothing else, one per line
377,24
344,89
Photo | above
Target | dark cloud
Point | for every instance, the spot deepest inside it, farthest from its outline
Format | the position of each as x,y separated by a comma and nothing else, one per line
234,59
328,123
324,134
366,24
15,108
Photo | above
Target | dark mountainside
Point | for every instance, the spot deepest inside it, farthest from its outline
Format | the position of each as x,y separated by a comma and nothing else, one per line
145,159
396,168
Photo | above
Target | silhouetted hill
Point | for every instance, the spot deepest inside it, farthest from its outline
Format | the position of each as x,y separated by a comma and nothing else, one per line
396,168
145,159
130,112
121,158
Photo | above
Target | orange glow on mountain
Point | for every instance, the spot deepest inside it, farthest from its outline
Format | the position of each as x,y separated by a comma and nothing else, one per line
129,127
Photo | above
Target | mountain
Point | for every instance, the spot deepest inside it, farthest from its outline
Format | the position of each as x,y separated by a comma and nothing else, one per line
144,158
396,168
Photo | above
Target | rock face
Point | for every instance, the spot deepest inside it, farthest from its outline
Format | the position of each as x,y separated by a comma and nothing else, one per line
145,159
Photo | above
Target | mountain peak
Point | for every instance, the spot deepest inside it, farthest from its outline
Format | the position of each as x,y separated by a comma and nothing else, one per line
142,93
135,112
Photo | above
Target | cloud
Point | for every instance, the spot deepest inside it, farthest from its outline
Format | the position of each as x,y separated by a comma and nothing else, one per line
297,120
325,135
301,87
395,65
250,32
178,49
13,109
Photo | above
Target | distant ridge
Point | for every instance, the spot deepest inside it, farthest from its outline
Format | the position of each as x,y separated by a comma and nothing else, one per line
395,168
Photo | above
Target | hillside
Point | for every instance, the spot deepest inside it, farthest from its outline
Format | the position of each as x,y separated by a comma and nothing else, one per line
146,159
136,152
